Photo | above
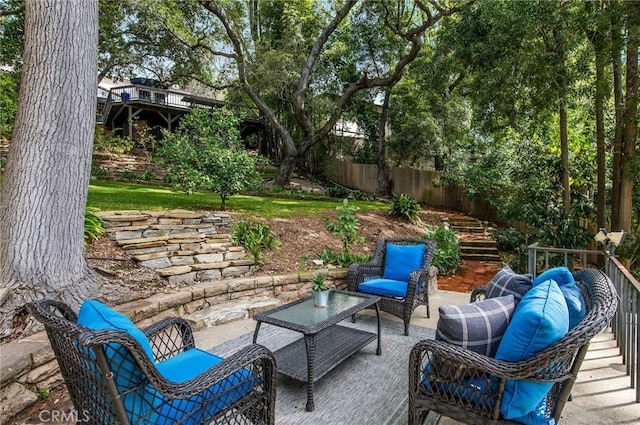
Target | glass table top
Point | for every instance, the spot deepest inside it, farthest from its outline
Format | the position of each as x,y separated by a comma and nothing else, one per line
305,314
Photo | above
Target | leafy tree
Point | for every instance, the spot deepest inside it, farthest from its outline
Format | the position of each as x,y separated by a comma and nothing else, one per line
8,102
207,153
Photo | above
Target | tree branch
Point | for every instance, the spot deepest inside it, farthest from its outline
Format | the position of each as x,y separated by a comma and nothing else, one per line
212,7
303,84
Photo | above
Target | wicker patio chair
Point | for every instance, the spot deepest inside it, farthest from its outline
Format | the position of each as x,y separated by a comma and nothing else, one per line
449,392
417,291
237,390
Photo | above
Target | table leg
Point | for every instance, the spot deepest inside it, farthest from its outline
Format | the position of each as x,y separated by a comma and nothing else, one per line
310,343
379,350
255,333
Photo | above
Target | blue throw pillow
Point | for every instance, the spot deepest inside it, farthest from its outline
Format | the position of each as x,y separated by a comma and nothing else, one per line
572,294
477,326
508,282
401,260
541,319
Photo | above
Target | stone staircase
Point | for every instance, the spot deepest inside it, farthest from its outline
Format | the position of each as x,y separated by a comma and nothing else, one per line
474,244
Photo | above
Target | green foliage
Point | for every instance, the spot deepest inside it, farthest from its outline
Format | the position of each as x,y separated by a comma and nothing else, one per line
98,172
93,228
405,207
255,237
206,153
447,255
629,251
515,243
129,176
342,259
110,142
43,394
8,102
319,282
346,225
146,175
337,192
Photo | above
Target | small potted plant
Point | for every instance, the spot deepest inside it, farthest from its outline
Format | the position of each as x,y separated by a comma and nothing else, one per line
320,290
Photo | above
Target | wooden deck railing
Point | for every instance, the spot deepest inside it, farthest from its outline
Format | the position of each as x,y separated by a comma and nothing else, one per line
625,325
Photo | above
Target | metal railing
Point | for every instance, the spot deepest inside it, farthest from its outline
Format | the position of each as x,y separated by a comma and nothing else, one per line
625,324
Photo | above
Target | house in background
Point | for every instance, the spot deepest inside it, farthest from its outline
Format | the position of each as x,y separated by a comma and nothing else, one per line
157,105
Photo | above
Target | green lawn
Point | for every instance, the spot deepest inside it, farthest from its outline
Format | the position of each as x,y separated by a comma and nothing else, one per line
108,195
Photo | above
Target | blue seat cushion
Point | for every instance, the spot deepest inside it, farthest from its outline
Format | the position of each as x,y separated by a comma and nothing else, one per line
477,326
384,287
470,389
541,319
401,260
572,294
508,282
198,408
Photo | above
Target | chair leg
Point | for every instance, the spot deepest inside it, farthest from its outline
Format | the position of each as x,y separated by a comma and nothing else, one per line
406,328
353,318
428,311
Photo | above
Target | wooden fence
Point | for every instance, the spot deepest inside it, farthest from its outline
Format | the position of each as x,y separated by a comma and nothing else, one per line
423,186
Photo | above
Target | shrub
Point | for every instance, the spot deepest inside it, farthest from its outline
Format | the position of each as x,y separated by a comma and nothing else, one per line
447,255
405,207
146,175
92,226
108,141
129,176
346,225
254,237
342,259
98,172
337,192
207,153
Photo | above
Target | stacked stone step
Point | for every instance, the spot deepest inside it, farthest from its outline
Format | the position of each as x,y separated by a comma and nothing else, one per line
181,246
479,250
476,246
466,225
115,165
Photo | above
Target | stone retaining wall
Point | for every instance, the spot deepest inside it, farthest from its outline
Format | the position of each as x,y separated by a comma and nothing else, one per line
182,246
28,365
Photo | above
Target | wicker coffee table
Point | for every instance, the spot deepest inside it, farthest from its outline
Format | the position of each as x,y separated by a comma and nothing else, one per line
325,343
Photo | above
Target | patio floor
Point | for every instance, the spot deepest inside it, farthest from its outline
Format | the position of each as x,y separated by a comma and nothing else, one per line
601,395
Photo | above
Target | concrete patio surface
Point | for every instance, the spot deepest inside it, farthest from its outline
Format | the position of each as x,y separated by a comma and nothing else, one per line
601,394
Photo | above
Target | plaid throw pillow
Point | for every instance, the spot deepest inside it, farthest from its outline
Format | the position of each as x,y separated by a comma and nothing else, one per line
508,282
478,326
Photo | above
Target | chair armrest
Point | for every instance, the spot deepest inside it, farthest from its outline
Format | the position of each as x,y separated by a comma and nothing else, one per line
169,337
547,365
255,358
358,271
479,293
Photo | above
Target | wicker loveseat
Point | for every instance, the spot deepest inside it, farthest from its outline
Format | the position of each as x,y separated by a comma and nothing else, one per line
469,387
111,378
403,304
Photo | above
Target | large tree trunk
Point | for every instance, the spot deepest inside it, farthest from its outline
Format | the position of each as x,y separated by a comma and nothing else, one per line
616,50
598,41
384,173
564,153
630,117
44,191
286,168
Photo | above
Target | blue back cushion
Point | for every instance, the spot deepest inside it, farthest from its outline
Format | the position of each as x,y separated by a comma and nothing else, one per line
572,294
127,376
401,260
477,326
541,319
